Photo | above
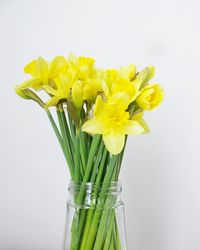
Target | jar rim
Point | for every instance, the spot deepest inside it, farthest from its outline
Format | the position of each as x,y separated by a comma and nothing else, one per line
89,187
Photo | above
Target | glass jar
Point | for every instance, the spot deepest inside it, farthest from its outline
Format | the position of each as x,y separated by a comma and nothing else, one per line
95,217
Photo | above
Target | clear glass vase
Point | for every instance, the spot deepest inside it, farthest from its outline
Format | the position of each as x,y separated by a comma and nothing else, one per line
95,217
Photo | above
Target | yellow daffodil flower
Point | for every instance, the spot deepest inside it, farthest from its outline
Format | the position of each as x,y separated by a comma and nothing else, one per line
60,91
85,90
42,72
150,97
125,86
112,121
91,88
81,67
86,82
114,82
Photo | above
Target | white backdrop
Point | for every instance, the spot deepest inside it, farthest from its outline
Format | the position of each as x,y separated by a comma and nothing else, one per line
161,171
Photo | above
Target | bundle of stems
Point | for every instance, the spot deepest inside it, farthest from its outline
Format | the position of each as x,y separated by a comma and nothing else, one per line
89,161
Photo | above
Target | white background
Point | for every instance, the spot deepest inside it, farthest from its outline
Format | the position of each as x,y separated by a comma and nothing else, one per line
161,171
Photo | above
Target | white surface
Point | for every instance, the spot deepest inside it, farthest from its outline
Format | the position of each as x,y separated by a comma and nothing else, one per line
161,172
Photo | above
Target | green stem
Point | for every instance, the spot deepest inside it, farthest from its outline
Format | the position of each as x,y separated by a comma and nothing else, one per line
79,199
112,247
72,127
97,162
55,128
98,211
95,195
118,247
93,150
77,161
83,151
66,145
106,213
109,233
67,132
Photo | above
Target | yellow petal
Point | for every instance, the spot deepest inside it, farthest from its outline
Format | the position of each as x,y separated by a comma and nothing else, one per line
139,118
133,128
32,83
49,90
77,94
104,86
31,68
144,76
126,87
99,107
114,142
57,64
91,89
128,72
72,59
120,99
52,102
43,69
63,83
94,126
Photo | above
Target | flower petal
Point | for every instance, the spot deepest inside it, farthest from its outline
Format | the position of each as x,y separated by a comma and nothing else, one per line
144,76
128,72
53,101
119,99
72,59
31,68
32,83
49,90
133,128
43,69
77,94
94,126
99,108
139,118
57,64
114,142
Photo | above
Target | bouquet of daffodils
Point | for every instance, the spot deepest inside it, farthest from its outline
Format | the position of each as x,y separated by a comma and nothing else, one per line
96,109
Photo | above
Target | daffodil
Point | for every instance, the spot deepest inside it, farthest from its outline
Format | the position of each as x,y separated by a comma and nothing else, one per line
112,121
150,97
91,88
81,68
125,86
114,82
42,72
85,91
60,91
86,84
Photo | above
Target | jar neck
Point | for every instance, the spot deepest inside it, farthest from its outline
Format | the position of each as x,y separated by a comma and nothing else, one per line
91,194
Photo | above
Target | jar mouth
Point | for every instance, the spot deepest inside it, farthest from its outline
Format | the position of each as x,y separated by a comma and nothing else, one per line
90,187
